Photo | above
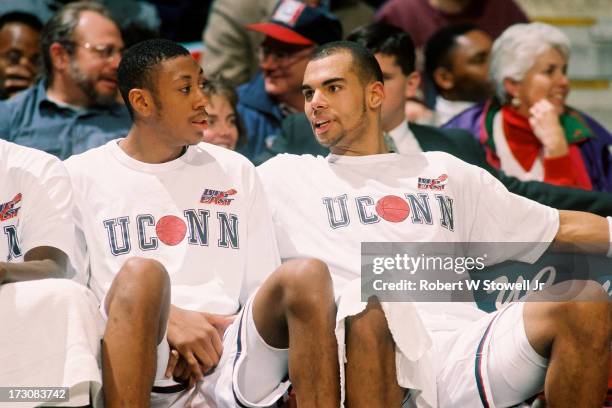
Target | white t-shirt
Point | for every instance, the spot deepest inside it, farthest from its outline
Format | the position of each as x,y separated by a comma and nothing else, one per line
35,203
204,216
325,207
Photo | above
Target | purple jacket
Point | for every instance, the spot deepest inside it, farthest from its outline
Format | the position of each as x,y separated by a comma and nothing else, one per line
596,151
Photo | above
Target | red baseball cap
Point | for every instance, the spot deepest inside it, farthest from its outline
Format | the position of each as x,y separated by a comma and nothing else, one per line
293,22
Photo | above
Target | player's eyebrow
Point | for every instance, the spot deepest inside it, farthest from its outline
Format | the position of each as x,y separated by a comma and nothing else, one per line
325,83
333,80
185,77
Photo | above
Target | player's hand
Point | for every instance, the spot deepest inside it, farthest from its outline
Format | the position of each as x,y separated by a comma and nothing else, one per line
196,339
179,370
544,121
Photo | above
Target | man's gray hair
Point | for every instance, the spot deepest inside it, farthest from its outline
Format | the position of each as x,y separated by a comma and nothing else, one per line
517,49
60,29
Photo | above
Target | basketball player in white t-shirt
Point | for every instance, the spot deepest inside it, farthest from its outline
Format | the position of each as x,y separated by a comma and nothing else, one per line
448,355
179,238
49,328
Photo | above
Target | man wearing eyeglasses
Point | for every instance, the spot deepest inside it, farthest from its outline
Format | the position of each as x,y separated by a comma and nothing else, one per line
19,52
292,34
74,107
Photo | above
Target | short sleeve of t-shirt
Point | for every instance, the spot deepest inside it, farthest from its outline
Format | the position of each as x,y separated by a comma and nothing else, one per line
45,207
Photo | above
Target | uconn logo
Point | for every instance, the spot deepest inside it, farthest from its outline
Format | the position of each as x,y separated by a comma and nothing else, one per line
391,208
170,230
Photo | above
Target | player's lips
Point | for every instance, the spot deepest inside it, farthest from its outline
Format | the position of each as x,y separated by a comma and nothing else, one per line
200,122
321,125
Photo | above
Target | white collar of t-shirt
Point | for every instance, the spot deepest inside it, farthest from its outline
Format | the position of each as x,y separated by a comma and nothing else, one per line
121,156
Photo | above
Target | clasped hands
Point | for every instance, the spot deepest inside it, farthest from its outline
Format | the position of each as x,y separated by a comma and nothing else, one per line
196,344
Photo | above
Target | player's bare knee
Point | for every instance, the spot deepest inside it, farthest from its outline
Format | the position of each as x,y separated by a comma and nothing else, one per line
140,281
591,304
307,283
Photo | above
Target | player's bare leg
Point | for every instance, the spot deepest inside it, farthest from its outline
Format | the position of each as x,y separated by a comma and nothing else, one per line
371,379
295,308
575,336
137,306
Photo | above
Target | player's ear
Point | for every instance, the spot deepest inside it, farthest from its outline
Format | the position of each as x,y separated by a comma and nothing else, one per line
141,101
376,94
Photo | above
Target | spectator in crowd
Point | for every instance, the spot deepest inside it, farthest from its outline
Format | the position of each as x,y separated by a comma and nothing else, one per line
291,35
225,127
50,325
457,63
527,130
19,52
422,18
74,107
232,50
396,56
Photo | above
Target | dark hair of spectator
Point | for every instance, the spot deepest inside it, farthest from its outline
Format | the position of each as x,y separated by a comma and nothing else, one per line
60,29
389,40
217,85
139,63
27,19
364,63
440,46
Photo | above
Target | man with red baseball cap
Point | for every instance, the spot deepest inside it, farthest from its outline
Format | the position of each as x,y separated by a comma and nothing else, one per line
291,35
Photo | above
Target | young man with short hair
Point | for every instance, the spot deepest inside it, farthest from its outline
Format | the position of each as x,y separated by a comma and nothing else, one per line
179,238
326,207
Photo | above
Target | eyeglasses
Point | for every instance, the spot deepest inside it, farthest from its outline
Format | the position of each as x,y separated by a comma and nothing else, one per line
285,56
104,51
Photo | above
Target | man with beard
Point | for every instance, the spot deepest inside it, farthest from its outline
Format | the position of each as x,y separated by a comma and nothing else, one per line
457,63
74,107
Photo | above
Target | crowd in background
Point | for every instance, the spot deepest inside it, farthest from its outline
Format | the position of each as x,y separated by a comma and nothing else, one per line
58,76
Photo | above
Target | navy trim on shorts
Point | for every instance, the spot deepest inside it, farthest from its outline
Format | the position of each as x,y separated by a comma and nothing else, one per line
478,367
238,352
478,361
171,389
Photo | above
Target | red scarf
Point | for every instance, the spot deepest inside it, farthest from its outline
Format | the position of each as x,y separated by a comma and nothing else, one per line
568,170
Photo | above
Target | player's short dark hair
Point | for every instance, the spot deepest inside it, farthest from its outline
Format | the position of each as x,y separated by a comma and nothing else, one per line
60,29
364,63
441,44
27,19
389,40
139,64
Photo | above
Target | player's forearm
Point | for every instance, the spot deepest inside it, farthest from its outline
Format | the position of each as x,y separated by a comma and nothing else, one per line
577,227
30,270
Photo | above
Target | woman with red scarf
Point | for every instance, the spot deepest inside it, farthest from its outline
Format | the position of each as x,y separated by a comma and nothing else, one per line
527,130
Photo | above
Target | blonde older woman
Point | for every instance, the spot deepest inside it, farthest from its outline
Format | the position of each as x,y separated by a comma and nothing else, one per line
527,130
